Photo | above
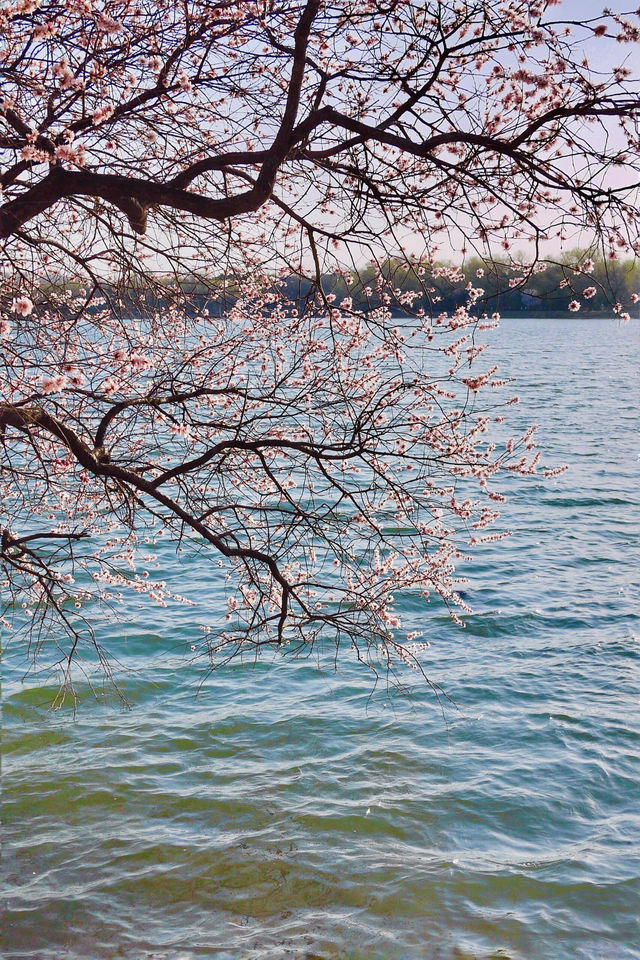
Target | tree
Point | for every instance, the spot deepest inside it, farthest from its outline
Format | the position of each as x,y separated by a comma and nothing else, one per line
177,178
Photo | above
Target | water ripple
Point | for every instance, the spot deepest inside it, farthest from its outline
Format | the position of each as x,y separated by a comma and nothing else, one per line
282,811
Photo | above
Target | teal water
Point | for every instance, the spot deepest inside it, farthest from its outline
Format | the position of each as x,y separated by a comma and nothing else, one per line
286,810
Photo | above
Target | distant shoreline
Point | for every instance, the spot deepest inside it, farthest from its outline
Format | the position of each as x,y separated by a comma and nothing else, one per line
562,315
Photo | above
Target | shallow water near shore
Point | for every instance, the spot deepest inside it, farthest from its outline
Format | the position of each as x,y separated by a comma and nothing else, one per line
283,809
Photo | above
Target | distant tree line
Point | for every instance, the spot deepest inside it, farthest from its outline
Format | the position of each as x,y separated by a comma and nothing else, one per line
506,287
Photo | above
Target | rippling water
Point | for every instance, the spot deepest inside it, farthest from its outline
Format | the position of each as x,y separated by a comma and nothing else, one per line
282,810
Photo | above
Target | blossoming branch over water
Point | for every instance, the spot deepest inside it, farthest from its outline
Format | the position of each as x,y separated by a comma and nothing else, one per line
177,186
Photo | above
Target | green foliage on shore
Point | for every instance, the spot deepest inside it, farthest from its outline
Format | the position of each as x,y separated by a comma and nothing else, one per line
544,289
509,290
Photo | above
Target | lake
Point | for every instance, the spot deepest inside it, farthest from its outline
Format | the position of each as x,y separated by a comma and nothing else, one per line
283,809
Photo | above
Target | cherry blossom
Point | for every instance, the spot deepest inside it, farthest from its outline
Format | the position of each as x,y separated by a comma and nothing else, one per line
22,305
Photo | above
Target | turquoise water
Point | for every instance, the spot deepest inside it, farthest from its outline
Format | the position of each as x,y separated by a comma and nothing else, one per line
286,810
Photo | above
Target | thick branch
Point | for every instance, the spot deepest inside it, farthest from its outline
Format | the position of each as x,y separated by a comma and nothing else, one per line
135,196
